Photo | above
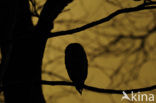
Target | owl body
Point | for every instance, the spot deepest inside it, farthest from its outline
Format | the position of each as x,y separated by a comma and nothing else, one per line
76,64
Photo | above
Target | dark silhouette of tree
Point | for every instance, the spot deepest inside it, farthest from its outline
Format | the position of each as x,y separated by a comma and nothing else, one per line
23,57
23,45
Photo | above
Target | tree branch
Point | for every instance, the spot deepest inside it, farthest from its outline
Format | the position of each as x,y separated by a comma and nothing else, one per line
99,90
51,9
145,6
91,88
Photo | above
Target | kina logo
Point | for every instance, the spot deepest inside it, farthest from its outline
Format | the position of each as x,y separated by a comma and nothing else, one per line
138,97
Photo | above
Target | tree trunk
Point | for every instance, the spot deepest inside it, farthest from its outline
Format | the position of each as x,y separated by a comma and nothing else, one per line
22,75
24,65
24,71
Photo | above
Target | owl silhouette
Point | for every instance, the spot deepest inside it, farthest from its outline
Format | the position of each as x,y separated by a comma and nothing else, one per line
76,64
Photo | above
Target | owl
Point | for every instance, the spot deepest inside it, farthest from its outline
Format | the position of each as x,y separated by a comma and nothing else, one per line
76,64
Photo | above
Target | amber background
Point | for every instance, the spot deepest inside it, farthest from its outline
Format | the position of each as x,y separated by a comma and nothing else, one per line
126,65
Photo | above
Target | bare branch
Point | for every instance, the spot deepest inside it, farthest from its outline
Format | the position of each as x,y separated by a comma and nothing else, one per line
99,90
146,6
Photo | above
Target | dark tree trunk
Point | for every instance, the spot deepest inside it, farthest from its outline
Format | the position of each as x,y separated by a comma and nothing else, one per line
22,59
24,65
24,71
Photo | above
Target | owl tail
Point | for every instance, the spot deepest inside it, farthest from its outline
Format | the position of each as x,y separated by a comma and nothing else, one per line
79,88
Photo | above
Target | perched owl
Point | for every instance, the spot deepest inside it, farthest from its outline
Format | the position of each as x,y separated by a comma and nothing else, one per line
76,64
